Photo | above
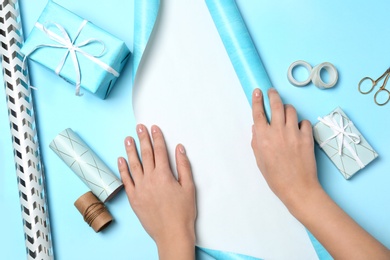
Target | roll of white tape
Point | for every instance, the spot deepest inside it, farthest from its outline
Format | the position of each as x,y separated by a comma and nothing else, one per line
314,74
292,79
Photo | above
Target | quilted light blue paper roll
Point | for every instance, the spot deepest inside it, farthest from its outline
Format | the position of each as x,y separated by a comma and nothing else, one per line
83,161
240,48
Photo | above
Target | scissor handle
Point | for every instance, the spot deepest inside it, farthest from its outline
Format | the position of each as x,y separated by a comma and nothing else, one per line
365,79
376,94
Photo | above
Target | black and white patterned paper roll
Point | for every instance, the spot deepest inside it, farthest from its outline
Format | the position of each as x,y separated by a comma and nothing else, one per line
24,136
86,164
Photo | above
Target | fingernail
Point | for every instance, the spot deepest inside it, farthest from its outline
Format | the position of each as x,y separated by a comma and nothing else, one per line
154,129
257,93
181,149
120,160
140,129
273,89
128,141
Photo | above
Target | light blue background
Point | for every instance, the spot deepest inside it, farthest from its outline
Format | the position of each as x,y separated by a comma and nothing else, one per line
353,36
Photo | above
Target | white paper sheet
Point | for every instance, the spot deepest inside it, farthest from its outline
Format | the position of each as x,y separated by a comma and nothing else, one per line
186,85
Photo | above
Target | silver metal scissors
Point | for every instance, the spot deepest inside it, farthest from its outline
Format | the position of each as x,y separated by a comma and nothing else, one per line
382,88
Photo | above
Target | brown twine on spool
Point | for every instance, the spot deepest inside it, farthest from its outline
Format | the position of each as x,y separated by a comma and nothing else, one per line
93,211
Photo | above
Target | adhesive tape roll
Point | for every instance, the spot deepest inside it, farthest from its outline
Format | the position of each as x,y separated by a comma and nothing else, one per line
292,79
316,75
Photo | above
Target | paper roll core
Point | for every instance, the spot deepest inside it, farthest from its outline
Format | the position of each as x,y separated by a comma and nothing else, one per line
94,212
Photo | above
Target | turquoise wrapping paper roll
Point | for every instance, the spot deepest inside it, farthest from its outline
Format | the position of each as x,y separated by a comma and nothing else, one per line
250,71
144,19
240,48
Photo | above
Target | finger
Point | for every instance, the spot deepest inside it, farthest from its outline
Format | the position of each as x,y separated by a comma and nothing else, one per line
259,117
291,116
134,163
147,155
183,167
125,176
277,107
254,140
160,149
305,127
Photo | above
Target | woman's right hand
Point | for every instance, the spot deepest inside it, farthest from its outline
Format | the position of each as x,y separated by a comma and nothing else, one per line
284,150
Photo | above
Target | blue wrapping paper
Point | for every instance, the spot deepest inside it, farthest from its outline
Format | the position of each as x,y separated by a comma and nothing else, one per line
209,254
144,19
245,60
240,48
247,64
95,79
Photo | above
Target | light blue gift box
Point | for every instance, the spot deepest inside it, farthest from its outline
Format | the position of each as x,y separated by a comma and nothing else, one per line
343,143
97,74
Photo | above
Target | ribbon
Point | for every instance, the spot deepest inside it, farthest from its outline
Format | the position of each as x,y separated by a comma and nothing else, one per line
340,132
65,42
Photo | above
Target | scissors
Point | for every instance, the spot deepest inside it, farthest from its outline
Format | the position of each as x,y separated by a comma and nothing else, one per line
385,75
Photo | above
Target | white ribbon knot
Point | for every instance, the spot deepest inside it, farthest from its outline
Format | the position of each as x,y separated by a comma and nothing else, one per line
65,42
340,132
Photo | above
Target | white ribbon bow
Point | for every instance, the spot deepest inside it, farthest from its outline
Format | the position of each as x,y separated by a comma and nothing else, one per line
339,132
65,42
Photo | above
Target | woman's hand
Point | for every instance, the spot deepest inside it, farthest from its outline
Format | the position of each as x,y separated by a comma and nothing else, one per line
284,149
165,206
284,152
